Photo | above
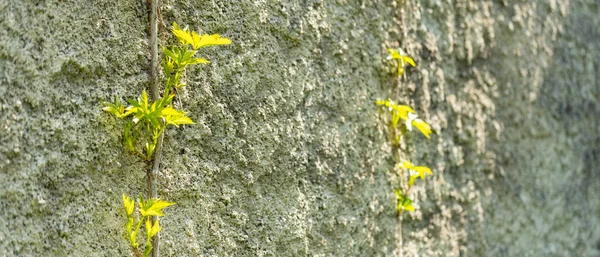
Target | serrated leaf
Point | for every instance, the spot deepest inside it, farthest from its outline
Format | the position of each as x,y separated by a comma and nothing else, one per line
415,171
133,239
142,112
175,117
168,64
182,35
169,54
198,61
401,110
209,40
128,204
152,230
115,108
402,59
185,57
128,138
153,207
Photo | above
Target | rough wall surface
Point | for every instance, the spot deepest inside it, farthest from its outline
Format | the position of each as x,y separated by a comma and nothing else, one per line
288,157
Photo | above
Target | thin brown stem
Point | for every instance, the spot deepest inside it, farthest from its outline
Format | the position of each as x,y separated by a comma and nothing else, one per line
136,252
141,155
396,154
152,173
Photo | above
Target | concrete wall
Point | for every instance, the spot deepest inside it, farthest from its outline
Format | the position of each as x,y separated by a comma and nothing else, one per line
287,157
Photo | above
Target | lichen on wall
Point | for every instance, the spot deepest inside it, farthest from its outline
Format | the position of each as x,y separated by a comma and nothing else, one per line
289,156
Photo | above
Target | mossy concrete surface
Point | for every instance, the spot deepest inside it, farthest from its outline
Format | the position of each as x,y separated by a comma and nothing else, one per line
289,156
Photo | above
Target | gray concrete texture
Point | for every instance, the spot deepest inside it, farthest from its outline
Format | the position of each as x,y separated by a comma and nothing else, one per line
289,156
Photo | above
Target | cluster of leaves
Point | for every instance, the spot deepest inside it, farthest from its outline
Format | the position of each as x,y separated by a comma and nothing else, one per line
145,121
147,209
148,119
401,58
177,58
405,113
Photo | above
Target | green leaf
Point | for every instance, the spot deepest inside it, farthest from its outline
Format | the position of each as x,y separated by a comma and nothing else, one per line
423,127
115,108
153,207
149,150
415,171
407,205
393,54
409,60
198,61
127,135
133,239
128,204
209,40
401,58
404,203
182,35
411,181
398,110
148,250
422,170
152,230
175,117
168,61
185,57
144,113
399,194
170,53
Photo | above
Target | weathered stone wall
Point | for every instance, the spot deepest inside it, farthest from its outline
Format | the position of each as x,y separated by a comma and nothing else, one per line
287,157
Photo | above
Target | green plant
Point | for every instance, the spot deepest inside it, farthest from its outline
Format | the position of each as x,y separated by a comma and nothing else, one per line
147,209
401,58
408,115
145,120
400,120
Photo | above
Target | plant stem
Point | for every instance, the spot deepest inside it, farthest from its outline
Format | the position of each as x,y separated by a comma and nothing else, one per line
137,252
396,155
153,171
399,233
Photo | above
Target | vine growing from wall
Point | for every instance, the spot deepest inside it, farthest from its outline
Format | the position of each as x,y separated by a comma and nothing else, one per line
144,123
402,119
